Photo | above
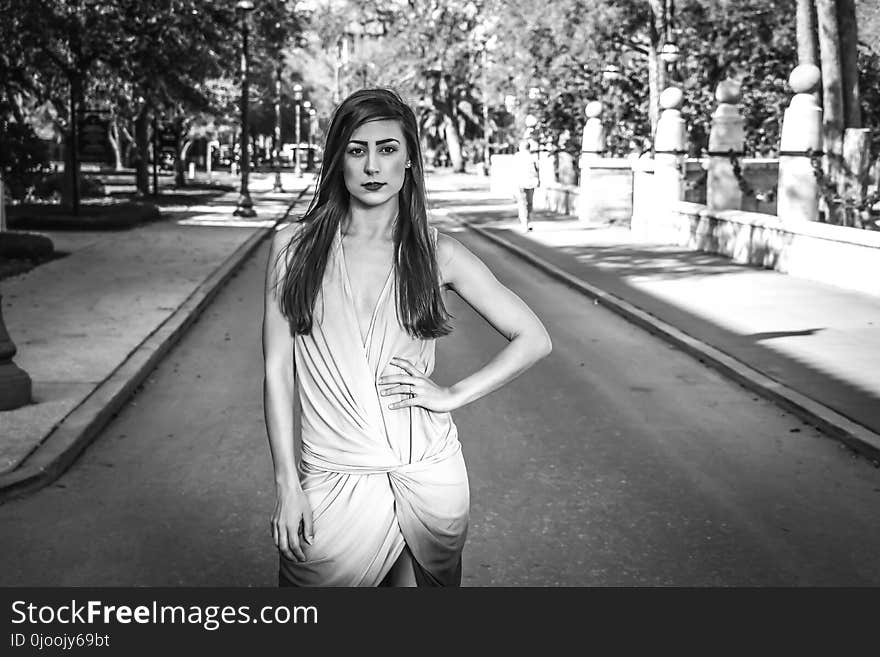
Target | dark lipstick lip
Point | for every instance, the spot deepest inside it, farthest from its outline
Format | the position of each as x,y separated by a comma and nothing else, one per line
373,185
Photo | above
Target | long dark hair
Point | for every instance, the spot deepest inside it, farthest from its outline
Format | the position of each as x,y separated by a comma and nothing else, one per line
420,307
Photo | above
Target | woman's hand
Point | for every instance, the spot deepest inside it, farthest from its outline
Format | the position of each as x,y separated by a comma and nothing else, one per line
423,392
292,522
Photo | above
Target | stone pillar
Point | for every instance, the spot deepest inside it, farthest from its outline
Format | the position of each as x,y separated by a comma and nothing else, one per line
566,173
726,137
593,142
592,148
798,190
670,149
546,165
658,182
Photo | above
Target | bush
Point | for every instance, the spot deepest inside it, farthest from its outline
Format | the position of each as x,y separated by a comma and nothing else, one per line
109,216
25,246
23,156
50,186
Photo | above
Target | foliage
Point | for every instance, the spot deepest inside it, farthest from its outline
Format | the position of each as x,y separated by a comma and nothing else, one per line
452,59
869,89
561,50
23,156
546,48
750,41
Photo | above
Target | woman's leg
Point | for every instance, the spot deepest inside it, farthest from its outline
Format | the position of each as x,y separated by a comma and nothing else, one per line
525,207
402,573
522,207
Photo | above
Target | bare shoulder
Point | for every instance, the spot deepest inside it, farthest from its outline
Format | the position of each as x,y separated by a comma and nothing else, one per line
284,235
282,238
456,260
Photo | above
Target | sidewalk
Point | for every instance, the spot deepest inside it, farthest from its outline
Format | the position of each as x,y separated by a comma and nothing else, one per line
90,326
810,347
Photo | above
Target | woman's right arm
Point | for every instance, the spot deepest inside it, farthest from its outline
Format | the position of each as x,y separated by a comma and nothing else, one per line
292,515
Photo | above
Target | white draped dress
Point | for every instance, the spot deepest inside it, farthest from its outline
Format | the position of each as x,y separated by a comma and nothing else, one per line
377,479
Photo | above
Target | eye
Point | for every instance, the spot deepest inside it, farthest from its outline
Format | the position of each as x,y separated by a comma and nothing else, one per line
389,149
355,150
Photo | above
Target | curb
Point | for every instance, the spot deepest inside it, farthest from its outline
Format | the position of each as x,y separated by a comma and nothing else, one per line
79,428
838,426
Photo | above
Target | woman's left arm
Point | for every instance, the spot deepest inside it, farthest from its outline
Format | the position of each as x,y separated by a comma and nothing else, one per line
502,309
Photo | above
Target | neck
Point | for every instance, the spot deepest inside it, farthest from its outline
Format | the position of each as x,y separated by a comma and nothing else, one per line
371,222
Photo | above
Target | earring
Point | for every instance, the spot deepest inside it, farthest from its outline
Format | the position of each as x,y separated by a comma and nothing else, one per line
408,164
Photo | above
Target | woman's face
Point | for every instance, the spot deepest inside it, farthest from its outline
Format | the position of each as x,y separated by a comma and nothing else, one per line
375,162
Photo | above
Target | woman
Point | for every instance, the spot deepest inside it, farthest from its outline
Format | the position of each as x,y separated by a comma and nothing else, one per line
353,304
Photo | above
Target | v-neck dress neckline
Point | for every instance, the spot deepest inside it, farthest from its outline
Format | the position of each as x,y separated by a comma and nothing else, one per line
346,279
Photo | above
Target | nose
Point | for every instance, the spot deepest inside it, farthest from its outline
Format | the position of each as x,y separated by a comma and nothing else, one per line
371,163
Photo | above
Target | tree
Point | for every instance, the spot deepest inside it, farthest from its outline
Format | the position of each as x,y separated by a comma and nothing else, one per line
426,49
61,44
22,153
153,57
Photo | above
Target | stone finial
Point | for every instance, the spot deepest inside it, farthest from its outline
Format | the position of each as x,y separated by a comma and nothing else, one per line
671,98
728,92
594,109
804,79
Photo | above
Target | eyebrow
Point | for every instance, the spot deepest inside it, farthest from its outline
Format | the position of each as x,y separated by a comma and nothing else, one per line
378,143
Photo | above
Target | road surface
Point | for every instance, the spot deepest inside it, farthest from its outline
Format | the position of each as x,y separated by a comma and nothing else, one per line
616,461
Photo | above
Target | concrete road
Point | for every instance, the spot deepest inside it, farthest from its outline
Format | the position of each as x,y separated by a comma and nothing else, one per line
616,461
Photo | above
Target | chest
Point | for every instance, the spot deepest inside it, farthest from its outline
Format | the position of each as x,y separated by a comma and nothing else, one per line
368,268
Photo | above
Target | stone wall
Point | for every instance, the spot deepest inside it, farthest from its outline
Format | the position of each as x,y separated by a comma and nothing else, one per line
837,255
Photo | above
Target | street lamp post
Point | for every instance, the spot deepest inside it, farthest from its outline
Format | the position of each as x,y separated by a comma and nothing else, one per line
245,207
487,134
276,159
669,52
313,133
307,110
297,97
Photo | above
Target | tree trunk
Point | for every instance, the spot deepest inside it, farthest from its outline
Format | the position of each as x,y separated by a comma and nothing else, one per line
655,75
179,169
115,143
832,94
857,160
183,146
142,144
72,174
182,155
656,71
807,40
453,143
849,68
67,180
